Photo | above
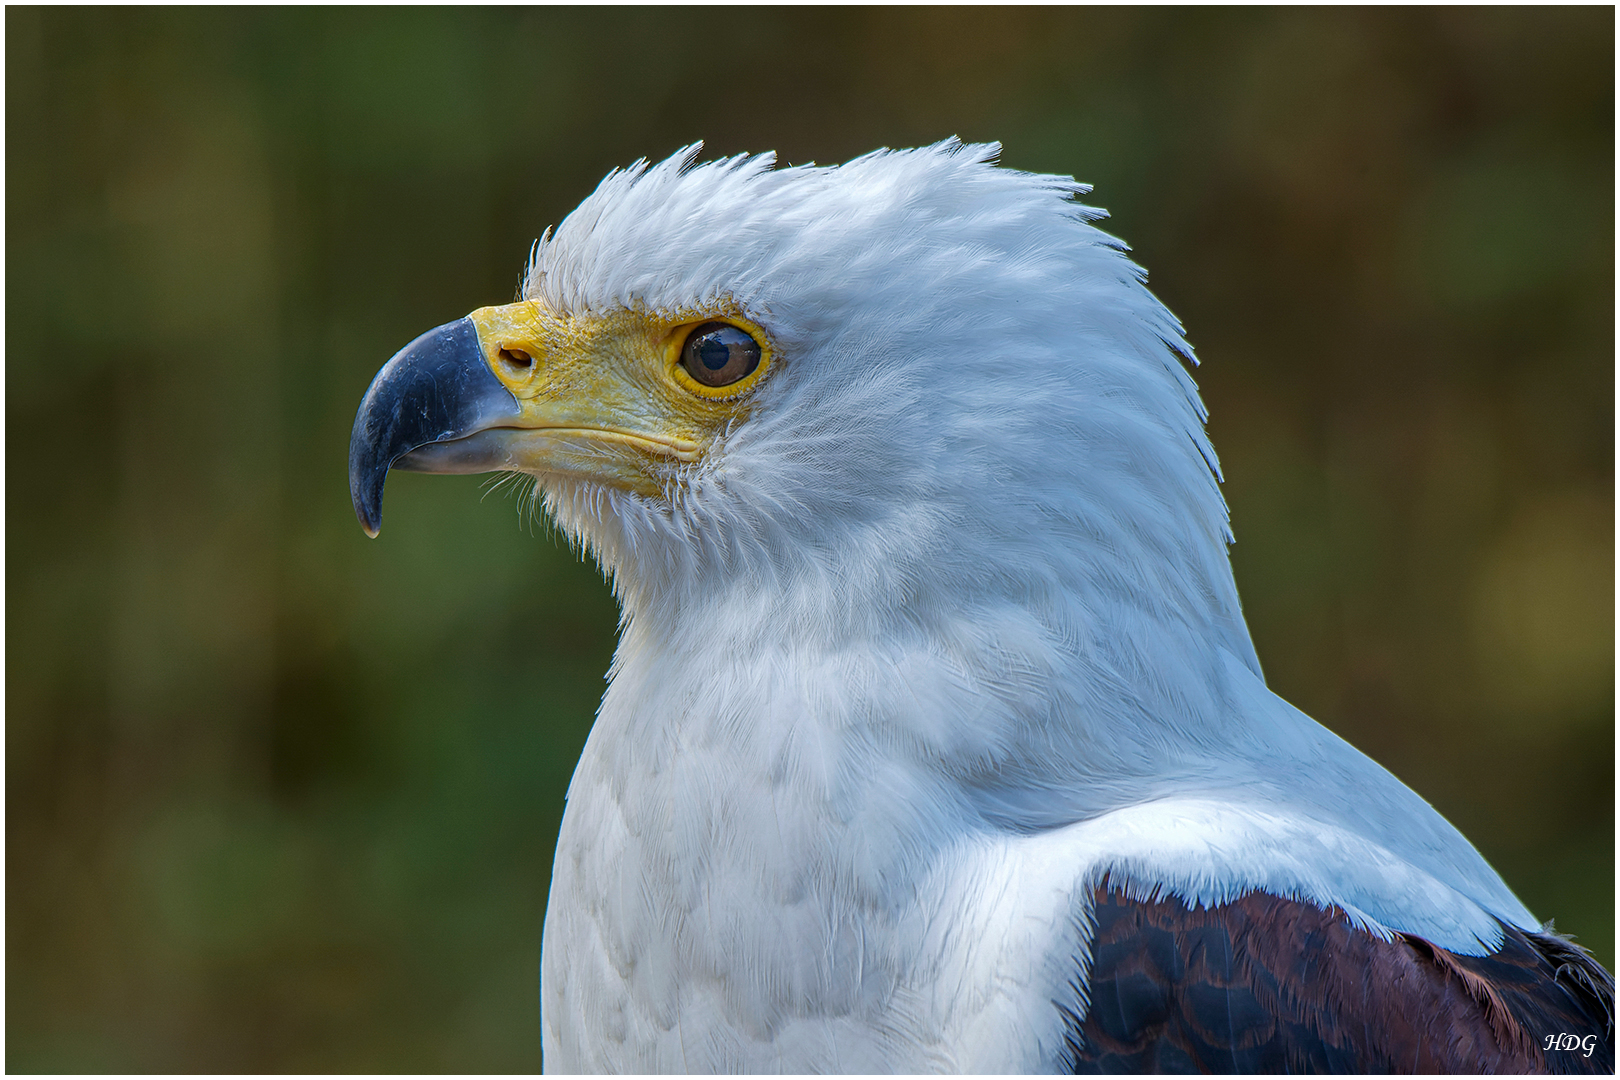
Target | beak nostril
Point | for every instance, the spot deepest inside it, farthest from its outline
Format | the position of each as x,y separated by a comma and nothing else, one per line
517,359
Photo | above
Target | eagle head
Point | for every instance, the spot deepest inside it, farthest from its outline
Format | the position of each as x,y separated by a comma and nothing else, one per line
834,395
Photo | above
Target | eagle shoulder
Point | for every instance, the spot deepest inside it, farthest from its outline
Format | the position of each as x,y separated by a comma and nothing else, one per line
1267,984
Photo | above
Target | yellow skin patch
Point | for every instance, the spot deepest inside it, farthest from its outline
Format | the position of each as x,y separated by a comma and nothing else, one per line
604,398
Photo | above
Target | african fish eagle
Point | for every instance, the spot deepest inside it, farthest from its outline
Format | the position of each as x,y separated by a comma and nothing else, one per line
935,739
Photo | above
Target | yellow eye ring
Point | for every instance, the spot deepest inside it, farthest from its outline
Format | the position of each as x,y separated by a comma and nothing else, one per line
680,336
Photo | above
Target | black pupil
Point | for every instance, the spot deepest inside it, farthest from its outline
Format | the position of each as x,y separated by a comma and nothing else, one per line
713,352
719,354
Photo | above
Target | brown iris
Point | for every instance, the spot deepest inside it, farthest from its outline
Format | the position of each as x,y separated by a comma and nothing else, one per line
718,354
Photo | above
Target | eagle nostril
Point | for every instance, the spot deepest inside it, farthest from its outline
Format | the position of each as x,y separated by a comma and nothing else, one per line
517,359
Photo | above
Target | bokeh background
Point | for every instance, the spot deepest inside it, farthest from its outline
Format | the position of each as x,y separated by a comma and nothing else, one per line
282,798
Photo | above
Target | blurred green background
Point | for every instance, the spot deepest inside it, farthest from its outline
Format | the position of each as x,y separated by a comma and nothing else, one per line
282,798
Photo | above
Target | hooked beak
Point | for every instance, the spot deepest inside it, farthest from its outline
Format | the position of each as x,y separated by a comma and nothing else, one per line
425,411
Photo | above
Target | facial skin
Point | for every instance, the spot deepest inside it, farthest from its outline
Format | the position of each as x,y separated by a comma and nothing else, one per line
611,399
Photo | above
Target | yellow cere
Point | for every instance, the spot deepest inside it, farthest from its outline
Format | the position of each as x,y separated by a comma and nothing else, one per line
603,397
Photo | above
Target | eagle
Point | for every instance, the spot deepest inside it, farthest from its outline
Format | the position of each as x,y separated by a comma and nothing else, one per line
934,739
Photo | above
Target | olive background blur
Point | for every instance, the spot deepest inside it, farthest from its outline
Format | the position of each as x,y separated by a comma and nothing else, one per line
279,797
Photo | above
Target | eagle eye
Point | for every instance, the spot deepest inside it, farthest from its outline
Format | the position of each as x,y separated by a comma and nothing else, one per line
718,354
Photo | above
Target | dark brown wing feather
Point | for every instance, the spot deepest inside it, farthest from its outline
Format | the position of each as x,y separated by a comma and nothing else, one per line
1264,984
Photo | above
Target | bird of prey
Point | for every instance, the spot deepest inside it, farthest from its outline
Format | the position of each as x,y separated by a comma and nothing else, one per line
934,739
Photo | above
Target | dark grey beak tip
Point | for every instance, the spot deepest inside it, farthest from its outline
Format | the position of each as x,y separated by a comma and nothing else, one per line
368,504
366,477
368,469
436,389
